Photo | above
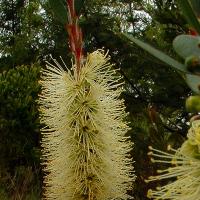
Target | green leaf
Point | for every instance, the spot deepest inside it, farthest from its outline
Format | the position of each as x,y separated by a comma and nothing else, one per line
196,6
189,14
193,104
78,6
59,10
193,82
159,54
187,45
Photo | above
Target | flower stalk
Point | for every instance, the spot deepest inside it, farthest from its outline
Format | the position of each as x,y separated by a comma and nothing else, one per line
85,151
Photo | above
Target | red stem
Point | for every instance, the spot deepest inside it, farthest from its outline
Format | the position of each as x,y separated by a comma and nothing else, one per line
75,35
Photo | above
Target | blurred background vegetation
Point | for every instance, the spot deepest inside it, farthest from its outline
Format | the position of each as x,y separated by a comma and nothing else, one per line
155,93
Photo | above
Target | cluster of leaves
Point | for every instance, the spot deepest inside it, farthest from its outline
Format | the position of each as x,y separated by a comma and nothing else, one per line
19,126
187,47
20,32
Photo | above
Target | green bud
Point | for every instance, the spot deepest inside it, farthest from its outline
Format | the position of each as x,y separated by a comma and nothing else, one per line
193,104
193,64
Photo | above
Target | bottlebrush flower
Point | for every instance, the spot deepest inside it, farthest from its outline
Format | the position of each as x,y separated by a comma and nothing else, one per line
185,169
85,151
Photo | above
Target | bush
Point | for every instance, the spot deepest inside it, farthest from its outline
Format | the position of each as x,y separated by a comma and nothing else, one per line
19,125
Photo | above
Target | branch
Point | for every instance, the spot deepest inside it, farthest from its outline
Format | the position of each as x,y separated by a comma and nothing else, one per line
133,86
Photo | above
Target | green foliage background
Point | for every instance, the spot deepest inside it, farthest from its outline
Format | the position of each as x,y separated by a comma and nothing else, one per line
155,94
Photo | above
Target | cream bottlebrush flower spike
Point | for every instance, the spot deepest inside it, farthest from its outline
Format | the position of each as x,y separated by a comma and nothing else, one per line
85,149
185,168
